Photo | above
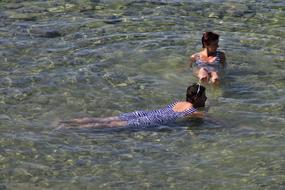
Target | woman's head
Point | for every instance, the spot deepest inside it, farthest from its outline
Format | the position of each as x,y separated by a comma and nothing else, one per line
210,40
196,94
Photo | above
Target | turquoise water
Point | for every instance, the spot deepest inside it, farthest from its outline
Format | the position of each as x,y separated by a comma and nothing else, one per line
60,60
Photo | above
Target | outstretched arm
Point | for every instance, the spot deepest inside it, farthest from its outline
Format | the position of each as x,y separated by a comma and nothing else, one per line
192,60
197,114
207,117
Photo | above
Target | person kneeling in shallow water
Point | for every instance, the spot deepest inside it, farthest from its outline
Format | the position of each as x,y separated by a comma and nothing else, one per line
209,64
195,98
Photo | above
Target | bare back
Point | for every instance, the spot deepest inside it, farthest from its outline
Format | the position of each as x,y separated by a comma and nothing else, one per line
182,106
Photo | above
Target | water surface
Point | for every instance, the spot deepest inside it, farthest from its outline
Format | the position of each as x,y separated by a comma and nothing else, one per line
60,60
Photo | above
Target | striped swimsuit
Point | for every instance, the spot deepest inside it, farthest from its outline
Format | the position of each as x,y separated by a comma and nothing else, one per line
155,117
214,66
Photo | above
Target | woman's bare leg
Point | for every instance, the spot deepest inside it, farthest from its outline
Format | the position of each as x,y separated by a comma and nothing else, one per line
87,120
93,122
112,124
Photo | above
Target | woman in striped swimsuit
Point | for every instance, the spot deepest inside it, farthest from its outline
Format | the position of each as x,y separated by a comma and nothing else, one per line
208,63
195,98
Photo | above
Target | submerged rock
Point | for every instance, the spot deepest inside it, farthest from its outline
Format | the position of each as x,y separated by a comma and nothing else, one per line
45,33
113,20
4,117
52,34
3,187
5,81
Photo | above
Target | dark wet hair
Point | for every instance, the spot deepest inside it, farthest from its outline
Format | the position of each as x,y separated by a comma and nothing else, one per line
195,90
209,37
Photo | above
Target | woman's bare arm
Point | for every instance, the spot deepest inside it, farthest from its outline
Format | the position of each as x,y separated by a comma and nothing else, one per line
192,60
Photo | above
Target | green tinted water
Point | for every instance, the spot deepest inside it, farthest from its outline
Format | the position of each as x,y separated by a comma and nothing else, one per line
62,60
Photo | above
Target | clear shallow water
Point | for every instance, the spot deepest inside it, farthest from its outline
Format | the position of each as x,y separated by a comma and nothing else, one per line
100,58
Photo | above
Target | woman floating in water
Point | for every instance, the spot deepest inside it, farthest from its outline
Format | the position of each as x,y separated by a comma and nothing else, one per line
195,98
208,63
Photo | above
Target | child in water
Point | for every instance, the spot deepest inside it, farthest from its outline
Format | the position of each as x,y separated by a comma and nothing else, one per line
195,98
208,63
